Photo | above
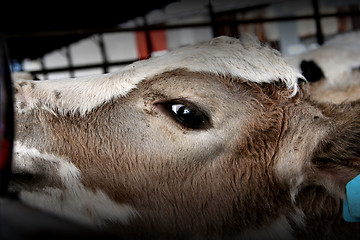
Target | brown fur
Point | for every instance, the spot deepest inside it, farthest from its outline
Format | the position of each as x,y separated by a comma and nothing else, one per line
216,182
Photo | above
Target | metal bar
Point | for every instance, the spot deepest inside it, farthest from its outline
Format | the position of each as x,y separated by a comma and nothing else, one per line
148,37
70,62
43,68
100,42
214,27
317,18
158,27
80,67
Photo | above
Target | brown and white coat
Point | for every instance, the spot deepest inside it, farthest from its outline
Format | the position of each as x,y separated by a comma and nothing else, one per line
215,140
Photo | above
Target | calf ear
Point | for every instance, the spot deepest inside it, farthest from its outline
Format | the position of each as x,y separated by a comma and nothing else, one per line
336,159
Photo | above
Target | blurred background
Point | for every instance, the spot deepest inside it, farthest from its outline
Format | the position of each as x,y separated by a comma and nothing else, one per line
60,40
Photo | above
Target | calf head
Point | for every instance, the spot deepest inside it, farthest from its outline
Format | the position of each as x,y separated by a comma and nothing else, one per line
213,140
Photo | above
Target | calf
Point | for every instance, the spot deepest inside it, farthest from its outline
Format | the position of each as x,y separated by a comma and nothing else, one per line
333,69
215,140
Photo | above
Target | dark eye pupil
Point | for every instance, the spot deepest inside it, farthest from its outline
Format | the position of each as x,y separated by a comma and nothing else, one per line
188,116
184,111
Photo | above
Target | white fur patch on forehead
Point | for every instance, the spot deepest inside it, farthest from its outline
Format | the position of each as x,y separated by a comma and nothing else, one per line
244,58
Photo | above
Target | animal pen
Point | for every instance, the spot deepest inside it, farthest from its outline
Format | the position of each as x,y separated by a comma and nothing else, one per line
70,51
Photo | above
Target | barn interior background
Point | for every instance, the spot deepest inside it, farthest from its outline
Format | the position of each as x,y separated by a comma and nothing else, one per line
68,39
59,41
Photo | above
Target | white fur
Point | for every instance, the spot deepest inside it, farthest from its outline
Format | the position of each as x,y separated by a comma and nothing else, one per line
336,58
295,185
245,58
291,170
74,201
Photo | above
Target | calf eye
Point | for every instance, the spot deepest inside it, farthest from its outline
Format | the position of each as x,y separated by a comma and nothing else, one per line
187,114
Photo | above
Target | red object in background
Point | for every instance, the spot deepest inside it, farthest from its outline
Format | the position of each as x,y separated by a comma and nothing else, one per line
158,42
4,153
6,120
